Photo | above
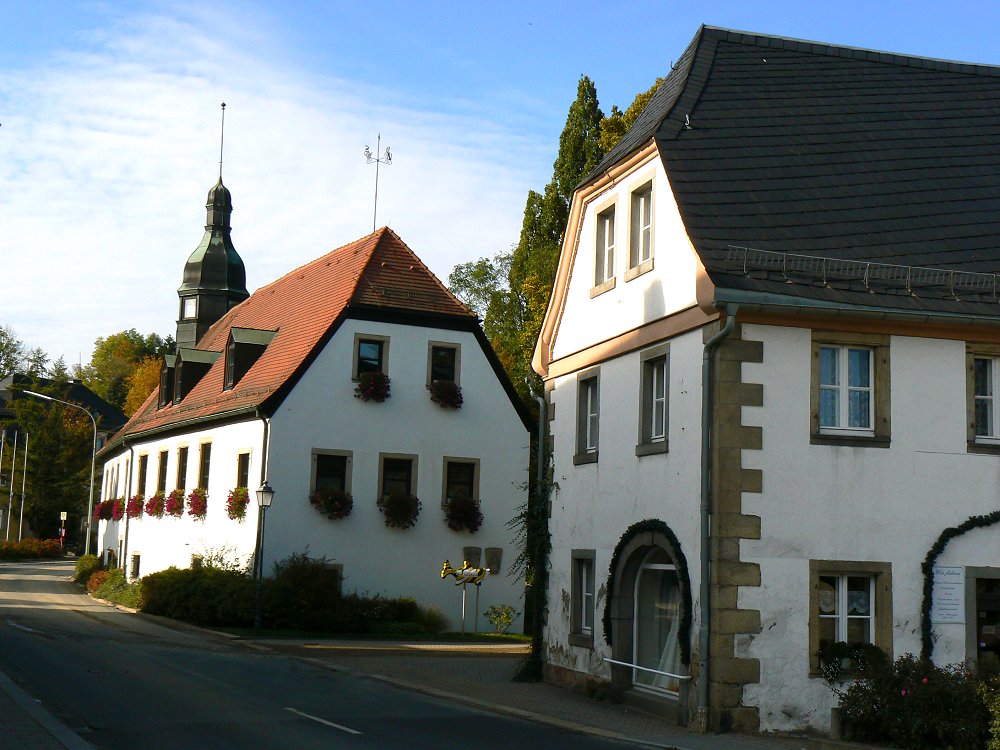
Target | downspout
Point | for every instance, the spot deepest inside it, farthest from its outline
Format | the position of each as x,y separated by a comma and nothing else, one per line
128,494
538,596
706,510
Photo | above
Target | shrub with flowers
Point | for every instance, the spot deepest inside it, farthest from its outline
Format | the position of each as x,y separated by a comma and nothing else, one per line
463,514
118,509
913,703
156,505
103,510
236,503
30,549
334,504
198,503
174,505
447,394
134,506
372,386
400,510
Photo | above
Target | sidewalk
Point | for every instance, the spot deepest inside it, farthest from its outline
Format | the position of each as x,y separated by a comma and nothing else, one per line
25,725
480,675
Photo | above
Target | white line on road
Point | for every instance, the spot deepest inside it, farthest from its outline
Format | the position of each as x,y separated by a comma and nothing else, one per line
25,628
341,727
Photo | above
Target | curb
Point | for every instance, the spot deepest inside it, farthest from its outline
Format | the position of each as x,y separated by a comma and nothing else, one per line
62,734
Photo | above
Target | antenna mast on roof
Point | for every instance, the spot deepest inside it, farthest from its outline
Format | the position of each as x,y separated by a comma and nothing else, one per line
386,159
222,138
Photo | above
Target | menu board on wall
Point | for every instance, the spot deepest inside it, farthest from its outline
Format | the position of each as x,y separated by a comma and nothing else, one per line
949,594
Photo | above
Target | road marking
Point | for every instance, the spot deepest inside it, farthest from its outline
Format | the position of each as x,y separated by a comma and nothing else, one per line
25,628
341,727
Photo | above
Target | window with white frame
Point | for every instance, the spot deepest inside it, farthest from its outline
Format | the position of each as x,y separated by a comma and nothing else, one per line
654,400
850,602
605,263
588,417
443,362
846,381
371,354
582,598
641,230
985,371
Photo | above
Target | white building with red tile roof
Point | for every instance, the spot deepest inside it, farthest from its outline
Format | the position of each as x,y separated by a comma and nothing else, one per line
271,392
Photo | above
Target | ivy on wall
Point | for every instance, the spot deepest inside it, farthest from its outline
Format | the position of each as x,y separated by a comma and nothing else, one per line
674,549
927,568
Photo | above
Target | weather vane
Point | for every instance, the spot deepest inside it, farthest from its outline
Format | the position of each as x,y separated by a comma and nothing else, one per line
378,158
222,138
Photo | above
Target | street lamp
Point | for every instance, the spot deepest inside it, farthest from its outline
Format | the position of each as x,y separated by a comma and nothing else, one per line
93,459
264,497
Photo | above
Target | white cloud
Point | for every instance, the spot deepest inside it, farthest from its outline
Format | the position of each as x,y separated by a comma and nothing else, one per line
106,157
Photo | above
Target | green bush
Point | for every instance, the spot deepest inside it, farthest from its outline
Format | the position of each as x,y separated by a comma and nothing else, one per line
911,703
302,594
501,616
203,596
85,565
116,589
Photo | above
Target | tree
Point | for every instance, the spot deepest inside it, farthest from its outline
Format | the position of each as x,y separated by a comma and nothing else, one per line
12,352
35,362
60,441
144,380
615,125
515,318
478,282
114,360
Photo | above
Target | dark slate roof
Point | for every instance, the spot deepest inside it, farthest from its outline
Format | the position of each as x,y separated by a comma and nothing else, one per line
820,151
109,417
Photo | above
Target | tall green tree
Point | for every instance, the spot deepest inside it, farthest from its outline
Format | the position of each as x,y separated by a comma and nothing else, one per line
616,124
12,352
116,357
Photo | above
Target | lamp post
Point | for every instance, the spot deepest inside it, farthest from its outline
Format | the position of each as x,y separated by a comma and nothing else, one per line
93,459
264,497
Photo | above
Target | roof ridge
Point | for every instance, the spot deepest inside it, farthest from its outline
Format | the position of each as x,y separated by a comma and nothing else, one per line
808,46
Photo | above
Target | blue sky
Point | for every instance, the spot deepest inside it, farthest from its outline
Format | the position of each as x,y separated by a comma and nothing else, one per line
109,127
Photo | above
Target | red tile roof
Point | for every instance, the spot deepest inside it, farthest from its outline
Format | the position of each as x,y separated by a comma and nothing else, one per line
377,271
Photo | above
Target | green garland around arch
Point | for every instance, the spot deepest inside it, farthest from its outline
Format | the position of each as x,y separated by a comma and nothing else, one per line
651,524
927,568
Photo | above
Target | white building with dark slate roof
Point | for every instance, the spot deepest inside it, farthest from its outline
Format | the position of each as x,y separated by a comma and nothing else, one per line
772,356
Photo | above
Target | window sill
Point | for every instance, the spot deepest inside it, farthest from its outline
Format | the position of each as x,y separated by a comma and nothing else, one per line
857,441
986,448
601,288
651,449
583,640
636,271
585,458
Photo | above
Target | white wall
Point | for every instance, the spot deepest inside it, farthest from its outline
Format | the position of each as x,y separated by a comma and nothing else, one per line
322,413
668,288
595,503
855,504
169,541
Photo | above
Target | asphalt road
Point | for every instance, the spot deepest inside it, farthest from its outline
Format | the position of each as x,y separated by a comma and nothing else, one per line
124,681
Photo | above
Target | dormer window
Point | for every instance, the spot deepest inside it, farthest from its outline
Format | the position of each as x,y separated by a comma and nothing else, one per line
166,394
191,367
189,308
244,348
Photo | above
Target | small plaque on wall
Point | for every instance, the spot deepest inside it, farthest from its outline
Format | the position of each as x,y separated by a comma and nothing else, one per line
949,594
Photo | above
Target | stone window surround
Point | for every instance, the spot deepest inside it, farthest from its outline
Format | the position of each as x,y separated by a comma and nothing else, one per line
444,476
600,209
882,621
431,345
974,351
644,446
358,338
411,457
638,269
581,455
348,455
881,406
577,635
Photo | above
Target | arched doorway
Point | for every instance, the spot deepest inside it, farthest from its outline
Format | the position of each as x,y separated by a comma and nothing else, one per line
647,620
